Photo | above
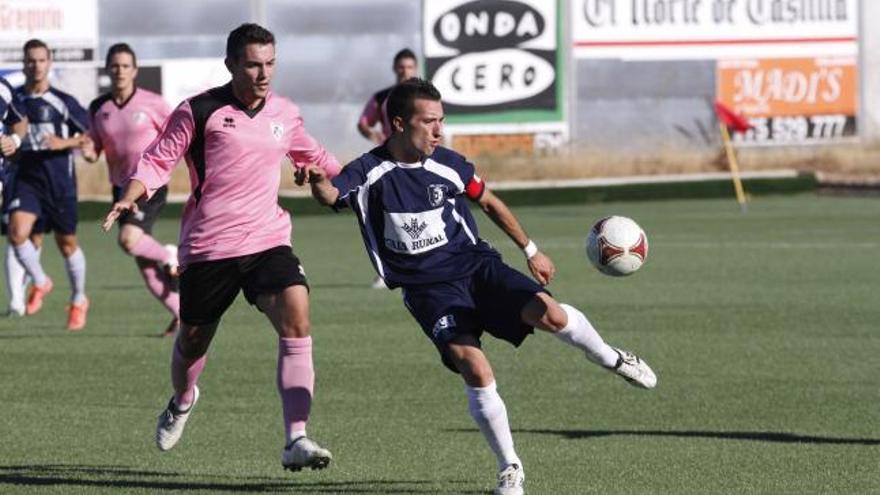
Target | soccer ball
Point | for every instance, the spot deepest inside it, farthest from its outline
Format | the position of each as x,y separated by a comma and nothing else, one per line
617,246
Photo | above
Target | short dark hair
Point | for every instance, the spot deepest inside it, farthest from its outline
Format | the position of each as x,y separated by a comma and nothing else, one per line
244,35
402,97
120,48
35,43
405,53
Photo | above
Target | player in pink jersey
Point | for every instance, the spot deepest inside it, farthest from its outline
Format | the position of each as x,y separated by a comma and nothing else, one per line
234,236
405,66
123,123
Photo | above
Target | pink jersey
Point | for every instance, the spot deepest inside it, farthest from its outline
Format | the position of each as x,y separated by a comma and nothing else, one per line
234,157
124,131
375,111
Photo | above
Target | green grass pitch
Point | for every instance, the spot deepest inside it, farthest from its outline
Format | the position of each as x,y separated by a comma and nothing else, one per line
764,330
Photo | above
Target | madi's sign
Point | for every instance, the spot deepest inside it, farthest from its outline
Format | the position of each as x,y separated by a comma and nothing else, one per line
492,56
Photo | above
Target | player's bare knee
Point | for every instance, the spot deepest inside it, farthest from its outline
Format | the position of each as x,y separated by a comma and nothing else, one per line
476,373
126,244
297,329
555,318
128,238
67,247
19,232
17,236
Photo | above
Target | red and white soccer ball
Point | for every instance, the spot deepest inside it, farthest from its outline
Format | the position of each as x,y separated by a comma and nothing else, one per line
617,246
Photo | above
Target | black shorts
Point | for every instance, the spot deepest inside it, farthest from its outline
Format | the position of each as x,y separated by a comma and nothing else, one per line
148,210
208,288
491,300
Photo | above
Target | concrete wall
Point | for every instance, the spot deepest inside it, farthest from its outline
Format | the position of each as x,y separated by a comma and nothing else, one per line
332,54
870,58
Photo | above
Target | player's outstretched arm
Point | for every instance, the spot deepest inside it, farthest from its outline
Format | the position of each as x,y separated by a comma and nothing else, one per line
540,265
134,190
322,189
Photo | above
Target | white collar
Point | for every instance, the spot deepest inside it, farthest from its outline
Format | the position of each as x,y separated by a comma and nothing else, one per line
409,165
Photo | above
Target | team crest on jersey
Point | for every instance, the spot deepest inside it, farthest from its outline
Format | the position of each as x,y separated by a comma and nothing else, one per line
437,194
139,117
277,130
44,114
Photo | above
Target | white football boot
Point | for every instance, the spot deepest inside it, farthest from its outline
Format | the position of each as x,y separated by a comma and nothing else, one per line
171,423
632,369
511,480
304,452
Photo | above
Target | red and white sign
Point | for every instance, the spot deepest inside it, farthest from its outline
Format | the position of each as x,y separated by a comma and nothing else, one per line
791,100
69,27
709,29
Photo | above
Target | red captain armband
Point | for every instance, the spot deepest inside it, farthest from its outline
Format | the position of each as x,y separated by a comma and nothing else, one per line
475,188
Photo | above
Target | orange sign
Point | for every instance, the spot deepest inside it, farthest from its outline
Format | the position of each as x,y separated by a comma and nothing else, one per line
789,86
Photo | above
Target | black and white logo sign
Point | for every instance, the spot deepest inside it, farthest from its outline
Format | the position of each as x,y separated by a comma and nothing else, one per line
491,55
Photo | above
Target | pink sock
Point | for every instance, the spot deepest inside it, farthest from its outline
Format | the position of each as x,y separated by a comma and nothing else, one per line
148,248
184,375
158,285
296,383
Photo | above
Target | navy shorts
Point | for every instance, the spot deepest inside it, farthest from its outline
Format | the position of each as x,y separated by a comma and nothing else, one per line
148,209
7,180
491,300
58,213
208,288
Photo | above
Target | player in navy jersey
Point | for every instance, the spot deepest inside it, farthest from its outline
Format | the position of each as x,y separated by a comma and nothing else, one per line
13,127
405,66
409,195
45,185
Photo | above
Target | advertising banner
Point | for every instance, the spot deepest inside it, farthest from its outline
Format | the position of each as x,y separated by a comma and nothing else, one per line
708,29
69,27
791,100
495,61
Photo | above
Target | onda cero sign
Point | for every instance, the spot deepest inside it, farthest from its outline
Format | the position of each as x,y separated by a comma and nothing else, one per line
492,55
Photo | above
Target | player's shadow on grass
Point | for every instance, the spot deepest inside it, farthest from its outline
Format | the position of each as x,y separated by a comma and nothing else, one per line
85,476
758,436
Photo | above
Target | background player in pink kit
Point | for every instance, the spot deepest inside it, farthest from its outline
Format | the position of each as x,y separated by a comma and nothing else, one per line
373,123
234,236
409,195
123,123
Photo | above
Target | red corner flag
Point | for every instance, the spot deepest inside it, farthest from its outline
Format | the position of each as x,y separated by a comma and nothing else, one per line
730,118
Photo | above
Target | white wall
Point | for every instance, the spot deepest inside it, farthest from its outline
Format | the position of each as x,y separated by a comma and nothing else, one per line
870,58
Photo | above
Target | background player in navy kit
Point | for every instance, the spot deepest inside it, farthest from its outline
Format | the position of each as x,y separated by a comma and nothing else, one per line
373,123
422,238
45,186
13,128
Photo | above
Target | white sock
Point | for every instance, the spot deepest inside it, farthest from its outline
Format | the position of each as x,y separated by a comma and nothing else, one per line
580,333
488,410
16,280
29,257
75,265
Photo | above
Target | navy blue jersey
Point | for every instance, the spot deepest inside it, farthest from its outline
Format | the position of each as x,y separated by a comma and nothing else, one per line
414,219
53,112
10,110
